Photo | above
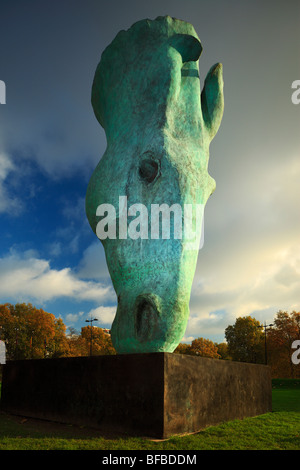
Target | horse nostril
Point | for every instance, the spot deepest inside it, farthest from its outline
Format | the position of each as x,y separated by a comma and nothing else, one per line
146,318
148,170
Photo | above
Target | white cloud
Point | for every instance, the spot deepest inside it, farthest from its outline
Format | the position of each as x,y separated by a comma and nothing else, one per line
24,277
93,264
105,315
73,317
250,262
257,283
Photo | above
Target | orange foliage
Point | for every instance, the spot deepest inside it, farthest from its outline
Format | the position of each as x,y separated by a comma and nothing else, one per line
199,347
31,333
280,338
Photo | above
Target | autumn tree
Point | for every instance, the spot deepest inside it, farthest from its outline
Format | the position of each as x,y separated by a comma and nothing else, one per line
222,350
285,330
101,341
245,340
204,348
31,333
199,347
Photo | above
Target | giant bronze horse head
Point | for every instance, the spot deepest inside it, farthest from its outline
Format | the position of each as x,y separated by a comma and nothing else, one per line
146,95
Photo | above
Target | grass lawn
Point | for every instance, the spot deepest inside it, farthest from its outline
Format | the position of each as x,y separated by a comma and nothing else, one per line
279,430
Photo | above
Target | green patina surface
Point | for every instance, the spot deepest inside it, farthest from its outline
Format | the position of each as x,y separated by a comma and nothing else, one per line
146,95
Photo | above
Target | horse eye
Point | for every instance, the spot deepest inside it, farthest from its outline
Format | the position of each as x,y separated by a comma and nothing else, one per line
148,170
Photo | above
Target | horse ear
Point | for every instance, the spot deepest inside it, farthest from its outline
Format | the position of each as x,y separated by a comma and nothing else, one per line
212,99
188,46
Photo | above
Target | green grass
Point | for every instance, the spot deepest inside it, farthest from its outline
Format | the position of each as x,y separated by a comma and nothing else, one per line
286,395
279,430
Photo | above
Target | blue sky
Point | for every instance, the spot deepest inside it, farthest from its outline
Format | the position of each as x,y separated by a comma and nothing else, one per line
50,143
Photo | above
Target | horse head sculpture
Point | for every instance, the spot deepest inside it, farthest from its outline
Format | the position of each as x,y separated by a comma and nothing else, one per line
146,95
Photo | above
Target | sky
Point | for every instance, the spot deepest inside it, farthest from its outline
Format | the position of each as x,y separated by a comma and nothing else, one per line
51,142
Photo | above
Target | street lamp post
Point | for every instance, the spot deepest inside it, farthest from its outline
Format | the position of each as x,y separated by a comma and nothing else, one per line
265,328
91,322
